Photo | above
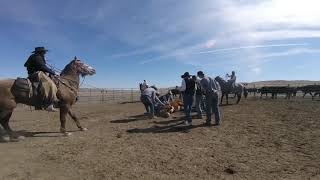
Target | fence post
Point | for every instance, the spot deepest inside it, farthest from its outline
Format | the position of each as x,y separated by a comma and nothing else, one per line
132,95
113,96
102,95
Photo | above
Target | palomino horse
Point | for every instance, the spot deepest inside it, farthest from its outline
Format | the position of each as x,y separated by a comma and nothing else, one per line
226,88
68,87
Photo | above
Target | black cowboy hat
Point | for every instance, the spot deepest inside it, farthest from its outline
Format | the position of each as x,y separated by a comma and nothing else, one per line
200,73
186,74
40,49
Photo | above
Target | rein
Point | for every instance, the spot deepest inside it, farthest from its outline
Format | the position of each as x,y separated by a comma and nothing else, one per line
70,87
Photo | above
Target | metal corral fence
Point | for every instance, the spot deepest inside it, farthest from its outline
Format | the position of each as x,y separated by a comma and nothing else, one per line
128,95
112,95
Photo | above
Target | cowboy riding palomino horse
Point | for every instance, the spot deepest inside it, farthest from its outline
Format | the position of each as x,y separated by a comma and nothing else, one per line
226,88
67,84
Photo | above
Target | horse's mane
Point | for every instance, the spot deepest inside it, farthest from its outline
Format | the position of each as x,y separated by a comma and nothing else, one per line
221,79
68,68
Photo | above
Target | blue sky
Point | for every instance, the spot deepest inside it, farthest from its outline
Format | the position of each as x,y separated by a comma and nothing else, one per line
158,40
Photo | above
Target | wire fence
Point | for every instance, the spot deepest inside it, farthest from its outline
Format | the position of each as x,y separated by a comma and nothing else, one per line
112,95
130,95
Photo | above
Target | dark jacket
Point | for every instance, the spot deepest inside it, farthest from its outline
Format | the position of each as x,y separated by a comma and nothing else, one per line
190,86
36,62
199,89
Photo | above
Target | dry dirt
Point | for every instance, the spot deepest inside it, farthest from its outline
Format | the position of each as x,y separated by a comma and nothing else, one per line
258,139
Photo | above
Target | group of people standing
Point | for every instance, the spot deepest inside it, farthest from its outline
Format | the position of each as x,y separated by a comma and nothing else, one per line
204,90
199,90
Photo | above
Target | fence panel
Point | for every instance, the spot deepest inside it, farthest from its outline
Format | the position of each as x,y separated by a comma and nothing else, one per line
112,95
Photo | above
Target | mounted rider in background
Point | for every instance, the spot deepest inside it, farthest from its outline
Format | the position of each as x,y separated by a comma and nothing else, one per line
37,71
232,79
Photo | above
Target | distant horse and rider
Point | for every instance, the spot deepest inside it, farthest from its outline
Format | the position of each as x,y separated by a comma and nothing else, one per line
230,87
41,91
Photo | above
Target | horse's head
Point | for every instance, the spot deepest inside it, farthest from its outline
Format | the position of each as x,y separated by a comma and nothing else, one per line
219,79
77,66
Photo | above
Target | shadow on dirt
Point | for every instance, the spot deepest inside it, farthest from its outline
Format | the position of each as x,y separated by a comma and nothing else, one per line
226,105
42,133
131,119
174,120
178,127
31,134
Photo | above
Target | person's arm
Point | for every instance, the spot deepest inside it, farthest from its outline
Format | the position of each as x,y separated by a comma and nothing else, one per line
42,66
183,85
204,85
156,99
214,85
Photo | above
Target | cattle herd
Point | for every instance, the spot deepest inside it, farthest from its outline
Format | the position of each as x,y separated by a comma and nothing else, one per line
288,91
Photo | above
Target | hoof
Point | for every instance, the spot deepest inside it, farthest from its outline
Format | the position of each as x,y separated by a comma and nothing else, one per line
67,134
21,137
83,129
5,139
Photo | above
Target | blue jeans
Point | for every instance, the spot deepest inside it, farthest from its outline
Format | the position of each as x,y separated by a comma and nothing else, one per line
199,105
187,102
212,106
148,104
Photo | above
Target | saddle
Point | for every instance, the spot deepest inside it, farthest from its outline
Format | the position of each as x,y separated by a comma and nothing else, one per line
40,88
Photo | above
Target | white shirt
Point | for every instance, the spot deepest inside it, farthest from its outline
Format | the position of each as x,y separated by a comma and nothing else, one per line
183,86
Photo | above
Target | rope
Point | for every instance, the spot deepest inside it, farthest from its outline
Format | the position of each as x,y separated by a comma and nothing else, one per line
54,68
82,81
91,86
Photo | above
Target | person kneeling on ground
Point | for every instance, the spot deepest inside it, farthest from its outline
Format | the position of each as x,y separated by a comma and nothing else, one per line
149,99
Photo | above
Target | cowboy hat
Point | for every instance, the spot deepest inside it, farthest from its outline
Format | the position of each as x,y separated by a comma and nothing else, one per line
200,73
40,49
186,74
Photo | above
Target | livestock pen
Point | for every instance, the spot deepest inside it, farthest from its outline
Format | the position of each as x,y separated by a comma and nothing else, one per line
112,95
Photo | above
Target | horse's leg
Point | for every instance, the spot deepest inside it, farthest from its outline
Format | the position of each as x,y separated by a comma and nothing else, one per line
239,98
227,98
76,120
64,109
221,98
4,121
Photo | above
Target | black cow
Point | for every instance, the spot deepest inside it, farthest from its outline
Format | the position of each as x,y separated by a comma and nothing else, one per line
313,90
176,92
275,90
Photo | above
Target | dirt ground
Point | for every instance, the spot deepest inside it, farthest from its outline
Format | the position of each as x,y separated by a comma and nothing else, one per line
258,139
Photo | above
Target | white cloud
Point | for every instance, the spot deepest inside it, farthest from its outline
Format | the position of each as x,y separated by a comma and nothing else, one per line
210,44
256,70
290,52
224,50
